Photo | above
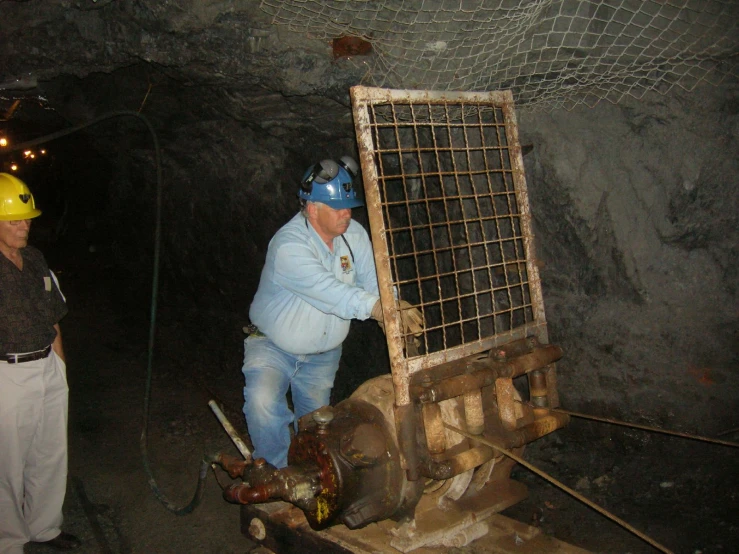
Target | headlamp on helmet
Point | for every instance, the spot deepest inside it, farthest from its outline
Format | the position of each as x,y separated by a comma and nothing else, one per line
331,183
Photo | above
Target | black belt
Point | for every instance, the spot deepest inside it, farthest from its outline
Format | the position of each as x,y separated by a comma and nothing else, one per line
20,358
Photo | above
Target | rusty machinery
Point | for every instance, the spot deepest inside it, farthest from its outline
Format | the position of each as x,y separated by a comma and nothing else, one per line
449,214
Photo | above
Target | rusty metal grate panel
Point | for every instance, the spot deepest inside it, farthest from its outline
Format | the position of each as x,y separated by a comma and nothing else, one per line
448,207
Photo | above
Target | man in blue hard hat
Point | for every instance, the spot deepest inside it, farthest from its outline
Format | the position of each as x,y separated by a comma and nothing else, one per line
319,275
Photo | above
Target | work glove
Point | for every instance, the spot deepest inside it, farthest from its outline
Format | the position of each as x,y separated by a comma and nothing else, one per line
411,318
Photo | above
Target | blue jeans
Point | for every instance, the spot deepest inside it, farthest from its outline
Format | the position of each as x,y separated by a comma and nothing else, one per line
268,372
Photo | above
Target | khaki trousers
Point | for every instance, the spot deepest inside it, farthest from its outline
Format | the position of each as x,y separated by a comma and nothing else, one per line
33,451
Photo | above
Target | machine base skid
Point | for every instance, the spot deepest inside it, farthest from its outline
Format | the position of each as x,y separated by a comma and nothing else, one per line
282,528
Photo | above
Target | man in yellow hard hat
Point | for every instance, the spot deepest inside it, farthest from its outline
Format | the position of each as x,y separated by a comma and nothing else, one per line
33,384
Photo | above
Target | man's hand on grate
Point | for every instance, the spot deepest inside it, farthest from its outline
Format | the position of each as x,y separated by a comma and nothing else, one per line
411,318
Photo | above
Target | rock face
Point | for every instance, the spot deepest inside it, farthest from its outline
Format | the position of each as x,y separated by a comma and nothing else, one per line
637,228
635,205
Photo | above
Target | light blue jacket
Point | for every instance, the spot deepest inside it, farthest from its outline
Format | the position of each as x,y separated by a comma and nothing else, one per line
308,295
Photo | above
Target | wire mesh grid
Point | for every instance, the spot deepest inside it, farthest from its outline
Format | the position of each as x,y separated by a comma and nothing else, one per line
551,53
454,217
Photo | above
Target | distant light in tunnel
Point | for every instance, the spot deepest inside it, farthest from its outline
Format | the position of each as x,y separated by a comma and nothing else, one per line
3,141
30,155
14,167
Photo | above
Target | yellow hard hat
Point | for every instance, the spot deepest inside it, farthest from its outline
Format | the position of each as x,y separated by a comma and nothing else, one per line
16,200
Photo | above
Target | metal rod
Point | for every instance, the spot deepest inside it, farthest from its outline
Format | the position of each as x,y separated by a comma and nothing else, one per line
565,488
647,428
235,438
380,238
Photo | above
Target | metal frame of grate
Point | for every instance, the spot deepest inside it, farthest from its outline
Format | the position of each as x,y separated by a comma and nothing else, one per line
449,214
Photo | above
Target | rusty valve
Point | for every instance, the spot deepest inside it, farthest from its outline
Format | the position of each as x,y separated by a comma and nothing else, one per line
262,482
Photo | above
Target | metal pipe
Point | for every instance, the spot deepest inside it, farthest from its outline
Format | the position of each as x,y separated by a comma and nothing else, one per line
647,428
565,488
538,391
478,455
484,373
434,428
538,428
405,423
473,412
458,464
226,424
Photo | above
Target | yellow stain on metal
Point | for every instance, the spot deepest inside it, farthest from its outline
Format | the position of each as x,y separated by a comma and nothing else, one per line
322,509
325,500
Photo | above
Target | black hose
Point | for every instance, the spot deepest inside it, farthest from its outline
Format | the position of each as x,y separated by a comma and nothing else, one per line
154,295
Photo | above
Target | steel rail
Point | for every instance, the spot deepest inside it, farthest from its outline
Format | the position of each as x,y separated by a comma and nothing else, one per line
647,428
565,488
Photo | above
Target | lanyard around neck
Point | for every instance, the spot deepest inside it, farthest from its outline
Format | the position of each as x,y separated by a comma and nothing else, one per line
351,253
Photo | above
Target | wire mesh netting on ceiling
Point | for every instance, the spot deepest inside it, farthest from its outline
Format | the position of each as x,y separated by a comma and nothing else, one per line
550,53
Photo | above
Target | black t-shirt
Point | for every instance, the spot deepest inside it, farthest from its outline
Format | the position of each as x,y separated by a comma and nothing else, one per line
30,304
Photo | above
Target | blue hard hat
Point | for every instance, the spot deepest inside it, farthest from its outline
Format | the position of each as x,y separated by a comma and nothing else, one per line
331,183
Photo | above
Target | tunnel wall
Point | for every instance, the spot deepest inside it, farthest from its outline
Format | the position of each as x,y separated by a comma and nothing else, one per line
636,214
634,208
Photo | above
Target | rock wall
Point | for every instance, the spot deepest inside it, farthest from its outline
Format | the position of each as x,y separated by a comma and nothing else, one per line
634,205
636,217
637,220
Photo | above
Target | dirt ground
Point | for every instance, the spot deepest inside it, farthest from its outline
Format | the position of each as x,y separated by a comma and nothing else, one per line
681,493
